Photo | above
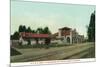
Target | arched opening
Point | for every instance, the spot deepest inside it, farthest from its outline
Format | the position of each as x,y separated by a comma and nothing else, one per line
68,39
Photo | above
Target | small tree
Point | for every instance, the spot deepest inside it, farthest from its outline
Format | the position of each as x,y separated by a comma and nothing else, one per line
47,42
20,28
29,42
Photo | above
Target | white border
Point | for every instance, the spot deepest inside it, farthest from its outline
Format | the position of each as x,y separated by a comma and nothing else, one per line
5,31
90,2
53,62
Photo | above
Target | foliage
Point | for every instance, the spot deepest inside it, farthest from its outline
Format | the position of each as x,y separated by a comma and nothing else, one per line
91,28
28,30
22,28
15,36
46,30
29,42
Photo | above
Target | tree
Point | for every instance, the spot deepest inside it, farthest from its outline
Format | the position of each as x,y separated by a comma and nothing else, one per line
28,29
46,30
15,36
22,28
33,31
47,40
11,37
39,30
91,28
29,42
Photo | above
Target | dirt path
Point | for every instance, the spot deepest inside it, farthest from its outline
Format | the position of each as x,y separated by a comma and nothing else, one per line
57,53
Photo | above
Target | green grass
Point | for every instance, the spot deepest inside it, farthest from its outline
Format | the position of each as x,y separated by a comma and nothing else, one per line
14,52
91,53
39,46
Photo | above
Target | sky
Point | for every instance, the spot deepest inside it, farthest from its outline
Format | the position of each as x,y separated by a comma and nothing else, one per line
53,15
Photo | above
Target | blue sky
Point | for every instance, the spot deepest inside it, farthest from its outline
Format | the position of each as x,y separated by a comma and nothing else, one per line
55,16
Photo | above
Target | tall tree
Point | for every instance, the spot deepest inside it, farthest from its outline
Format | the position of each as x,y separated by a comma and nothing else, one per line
91,28
47,40
24,28
20,28
38,31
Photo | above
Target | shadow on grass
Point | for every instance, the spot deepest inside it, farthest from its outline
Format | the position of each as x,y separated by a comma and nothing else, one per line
14,52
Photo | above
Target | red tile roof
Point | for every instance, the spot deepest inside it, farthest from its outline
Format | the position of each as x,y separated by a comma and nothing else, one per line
34,35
